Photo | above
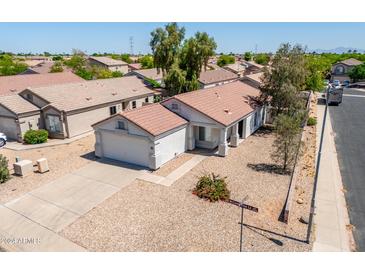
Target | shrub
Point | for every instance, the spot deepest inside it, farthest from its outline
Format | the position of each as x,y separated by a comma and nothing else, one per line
4,170
36,136
311,121
212,187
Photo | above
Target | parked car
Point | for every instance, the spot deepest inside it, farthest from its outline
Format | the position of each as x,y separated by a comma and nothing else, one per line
336,83
345,83
3,139
334,95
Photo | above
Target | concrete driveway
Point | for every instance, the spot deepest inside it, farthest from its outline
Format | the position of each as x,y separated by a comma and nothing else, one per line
31,222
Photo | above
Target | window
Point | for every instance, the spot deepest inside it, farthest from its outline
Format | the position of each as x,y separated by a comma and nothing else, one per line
146,100
339,70
174,106
121,125
134,104
255,119
30,97
124,105
201,133
113,110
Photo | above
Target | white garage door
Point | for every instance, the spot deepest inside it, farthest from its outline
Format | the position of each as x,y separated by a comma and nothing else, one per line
126,148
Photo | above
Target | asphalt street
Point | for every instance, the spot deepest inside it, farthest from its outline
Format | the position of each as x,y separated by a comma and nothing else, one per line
348,121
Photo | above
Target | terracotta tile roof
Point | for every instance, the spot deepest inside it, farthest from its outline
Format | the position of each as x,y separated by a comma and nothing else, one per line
351,62
135,66
68,97
108,61
236,67
154,118
17,104
255,77
17,83
224,104
216,75
149,73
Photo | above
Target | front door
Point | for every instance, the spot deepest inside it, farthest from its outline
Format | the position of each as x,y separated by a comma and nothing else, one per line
242,129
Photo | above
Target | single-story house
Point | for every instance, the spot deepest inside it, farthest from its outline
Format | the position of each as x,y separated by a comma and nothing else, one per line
17,83
109,63
148,136
17,115
216,77
254,79
236,68
252,67
341,69
42,68
147,74
210,118
69,110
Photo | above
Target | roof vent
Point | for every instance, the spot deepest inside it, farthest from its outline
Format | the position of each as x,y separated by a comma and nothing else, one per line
88,98
216,93
13,90
114,93
226,110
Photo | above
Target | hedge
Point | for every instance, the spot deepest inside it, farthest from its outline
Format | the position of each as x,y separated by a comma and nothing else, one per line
36,136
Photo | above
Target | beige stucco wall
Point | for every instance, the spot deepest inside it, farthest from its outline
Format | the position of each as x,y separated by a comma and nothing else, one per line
30,122
9,127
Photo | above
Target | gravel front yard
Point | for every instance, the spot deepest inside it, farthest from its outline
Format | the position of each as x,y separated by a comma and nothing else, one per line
62,159
149,217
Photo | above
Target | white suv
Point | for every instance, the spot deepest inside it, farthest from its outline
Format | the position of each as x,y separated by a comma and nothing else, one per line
3,139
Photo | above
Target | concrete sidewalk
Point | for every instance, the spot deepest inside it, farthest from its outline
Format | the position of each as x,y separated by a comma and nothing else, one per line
331,216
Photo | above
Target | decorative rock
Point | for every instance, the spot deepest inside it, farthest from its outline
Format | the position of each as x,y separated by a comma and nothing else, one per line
304,220
300,201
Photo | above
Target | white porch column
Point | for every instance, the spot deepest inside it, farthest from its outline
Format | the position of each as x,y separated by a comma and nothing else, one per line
223,146
98,144
191,138
234,137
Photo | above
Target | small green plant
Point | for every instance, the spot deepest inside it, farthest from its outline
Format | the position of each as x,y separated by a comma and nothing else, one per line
212,187
4,170
36,136
311,121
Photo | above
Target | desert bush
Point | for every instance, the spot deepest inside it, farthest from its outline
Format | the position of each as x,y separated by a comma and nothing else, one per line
311,121
36,136
212,187
4,170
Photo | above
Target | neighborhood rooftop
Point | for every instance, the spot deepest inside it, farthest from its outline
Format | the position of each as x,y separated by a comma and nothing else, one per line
351,62
68,97
150,73
224,104
108,61
216,75
17,83
17,104
255,77
154,118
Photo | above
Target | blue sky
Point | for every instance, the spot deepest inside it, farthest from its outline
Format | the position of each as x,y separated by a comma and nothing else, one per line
235,37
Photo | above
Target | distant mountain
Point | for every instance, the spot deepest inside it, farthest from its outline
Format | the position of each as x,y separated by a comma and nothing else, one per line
338,50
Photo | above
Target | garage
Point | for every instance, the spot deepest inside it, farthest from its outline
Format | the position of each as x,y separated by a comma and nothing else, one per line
148,136
125,148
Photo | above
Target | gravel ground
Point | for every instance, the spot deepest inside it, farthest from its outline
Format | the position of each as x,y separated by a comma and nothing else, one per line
149,217
62,159
170,166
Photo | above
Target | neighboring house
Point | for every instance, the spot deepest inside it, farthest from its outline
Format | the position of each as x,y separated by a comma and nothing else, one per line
216,77
251,67
134,66
146,74
42,68
69,110
149,136
152,135
254,80
236,68
341,69
109,63
17,116
17,83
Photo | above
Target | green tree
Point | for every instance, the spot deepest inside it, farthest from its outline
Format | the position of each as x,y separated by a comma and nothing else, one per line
248,56
126,58
284,81
357,73
9,66
175,80
4,170
206,46
165,44
262,58
77,61
56,67
57,58
224,60
287,129
146,61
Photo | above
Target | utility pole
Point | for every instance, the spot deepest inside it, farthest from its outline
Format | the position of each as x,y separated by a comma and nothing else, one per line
131,45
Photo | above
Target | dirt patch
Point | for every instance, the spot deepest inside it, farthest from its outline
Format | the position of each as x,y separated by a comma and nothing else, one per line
62,160
170,166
